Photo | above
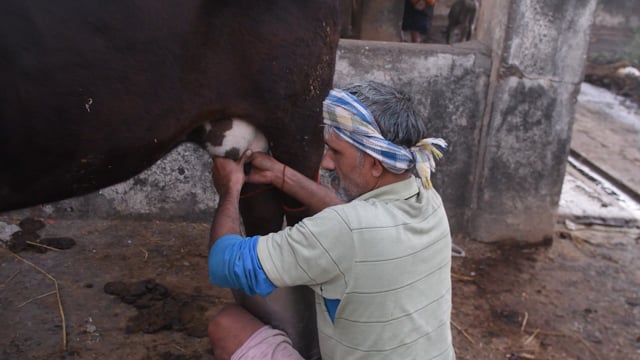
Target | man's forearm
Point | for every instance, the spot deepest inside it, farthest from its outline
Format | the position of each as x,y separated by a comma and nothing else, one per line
313,195
226,219
268,170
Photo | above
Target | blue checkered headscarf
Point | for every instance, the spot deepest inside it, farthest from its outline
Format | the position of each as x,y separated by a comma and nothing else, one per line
350,119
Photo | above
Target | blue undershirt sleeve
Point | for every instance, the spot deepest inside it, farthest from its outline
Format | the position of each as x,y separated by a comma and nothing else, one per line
332,306
234,264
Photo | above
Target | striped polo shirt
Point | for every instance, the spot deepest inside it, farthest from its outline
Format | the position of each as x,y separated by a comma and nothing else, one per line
386,258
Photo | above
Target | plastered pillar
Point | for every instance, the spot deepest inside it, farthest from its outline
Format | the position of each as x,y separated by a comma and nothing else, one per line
539,50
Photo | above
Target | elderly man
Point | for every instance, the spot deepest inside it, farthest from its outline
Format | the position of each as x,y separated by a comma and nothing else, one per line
377,252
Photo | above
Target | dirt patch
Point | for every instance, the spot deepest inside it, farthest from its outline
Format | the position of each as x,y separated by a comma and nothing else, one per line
577,298
574,299
166,319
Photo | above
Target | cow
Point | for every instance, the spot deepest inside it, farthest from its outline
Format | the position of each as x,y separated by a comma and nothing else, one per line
461,17
94,92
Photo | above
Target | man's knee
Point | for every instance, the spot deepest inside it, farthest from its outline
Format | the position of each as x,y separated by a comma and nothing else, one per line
225,317
221,323
230,328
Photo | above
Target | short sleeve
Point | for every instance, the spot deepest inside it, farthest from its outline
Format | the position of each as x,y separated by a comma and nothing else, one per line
317,250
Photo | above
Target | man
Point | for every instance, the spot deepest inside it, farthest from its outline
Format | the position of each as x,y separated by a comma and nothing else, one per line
377,252
417,18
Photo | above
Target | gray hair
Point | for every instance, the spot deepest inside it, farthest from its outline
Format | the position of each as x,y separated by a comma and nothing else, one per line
393,110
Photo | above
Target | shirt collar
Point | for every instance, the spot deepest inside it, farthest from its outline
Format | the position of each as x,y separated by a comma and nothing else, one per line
399,190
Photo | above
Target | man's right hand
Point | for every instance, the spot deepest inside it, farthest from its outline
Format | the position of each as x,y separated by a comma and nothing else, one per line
267,170
264,169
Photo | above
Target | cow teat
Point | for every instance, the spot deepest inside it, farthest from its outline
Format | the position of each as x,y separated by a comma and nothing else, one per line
232,137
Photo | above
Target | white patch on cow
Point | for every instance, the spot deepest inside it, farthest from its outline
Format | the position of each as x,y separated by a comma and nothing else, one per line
87,105
207,128
241,136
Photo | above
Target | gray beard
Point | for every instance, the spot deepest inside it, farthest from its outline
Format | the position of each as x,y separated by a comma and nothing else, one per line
342,193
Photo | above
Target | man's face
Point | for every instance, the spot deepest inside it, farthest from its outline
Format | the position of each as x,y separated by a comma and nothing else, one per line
345,164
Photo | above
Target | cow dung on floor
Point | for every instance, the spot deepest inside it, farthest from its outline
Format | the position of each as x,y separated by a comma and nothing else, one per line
158,309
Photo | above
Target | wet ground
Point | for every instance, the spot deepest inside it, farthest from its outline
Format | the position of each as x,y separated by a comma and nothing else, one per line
127,289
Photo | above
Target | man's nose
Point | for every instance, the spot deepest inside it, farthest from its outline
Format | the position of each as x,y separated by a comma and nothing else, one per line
327,163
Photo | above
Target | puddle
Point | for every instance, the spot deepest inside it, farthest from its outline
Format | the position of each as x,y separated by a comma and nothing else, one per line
614,105
623,199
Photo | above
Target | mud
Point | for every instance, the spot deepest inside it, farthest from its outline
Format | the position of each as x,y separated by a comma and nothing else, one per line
139,290
573,299
162,313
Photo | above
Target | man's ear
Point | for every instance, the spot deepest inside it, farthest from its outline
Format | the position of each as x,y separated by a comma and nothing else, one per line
376,168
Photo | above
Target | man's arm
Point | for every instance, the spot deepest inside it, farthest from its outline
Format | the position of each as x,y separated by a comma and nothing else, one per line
267,170
226,219
228,177
233,261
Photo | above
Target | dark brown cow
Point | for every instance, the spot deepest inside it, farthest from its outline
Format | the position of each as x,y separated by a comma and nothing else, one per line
93,92
461,18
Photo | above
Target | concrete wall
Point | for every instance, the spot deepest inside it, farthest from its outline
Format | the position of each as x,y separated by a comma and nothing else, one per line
178,187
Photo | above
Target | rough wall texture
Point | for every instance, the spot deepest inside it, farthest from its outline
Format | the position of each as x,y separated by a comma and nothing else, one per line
177,187
546,38
492,23
527,146
531,111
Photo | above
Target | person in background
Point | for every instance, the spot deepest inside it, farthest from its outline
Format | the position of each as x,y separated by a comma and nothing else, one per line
417,18
377,251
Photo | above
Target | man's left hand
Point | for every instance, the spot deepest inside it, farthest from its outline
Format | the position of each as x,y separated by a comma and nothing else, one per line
228,175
